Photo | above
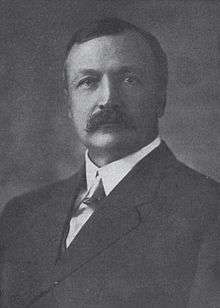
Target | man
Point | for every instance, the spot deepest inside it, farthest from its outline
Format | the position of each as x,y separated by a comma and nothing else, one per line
134,227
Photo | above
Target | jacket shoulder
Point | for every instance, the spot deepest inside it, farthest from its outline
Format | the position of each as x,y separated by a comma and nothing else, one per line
179,178
21,206
192,181
193,194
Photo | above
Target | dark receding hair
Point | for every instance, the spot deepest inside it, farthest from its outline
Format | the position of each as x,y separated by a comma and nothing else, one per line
114,26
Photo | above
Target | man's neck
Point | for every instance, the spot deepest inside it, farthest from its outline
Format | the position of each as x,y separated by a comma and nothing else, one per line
112,173
101,157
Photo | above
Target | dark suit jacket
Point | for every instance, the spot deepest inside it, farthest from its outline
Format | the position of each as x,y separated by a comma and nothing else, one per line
152,243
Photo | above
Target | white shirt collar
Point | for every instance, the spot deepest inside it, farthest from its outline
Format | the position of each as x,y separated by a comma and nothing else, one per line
114,172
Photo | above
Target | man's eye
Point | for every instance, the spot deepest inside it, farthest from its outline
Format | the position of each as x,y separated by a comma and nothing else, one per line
87,82
130,80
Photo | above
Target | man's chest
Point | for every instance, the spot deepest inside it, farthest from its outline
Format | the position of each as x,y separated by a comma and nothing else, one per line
147,263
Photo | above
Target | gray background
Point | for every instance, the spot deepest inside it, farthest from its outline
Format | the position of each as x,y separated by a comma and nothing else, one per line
38,144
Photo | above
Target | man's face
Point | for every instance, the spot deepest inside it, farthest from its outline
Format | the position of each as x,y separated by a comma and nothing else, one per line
112,92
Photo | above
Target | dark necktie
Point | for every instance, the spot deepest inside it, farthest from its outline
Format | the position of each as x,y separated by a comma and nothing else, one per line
95,194
84,208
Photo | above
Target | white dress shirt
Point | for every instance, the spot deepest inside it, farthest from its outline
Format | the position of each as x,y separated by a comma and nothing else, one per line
111,174
114,172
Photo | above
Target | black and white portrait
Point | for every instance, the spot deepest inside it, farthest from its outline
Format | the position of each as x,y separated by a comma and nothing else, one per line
109,193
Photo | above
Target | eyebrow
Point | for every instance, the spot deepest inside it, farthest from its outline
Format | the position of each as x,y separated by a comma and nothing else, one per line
123,69
129,68
88,71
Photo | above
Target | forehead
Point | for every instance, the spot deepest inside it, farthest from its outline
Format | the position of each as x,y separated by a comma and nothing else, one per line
109,52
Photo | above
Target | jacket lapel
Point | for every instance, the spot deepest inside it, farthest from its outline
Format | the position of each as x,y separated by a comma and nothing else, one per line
120,213
31,248
54,215
128,205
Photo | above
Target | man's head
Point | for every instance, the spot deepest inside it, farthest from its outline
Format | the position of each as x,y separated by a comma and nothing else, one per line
116,79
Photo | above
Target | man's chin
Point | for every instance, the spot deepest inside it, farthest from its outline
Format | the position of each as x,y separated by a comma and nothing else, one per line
110,137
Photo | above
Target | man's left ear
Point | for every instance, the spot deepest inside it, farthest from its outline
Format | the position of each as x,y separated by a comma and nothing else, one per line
66,99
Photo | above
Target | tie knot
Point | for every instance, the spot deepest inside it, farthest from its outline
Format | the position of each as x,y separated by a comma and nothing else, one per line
96,192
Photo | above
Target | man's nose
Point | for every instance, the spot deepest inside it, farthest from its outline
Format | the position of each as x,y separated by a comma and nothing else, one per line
110,92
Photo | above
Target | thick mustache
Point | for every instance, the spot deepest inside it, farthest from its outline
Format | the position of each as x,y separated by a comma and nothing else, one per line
108,116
